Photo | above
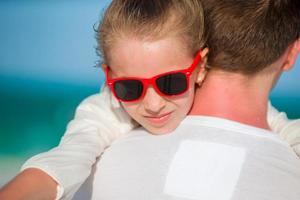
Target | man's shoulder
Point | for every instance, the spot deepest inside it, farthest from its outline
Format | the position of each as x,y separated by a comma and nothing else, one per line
198,128
215,125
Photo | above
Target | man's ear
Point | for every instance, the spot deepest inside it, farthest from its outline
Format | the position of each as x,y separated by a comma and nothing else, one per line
292,54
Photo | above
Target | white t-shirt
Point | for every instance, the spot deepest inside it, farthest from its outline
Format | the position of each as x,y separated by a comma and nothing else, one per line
206,158
98,121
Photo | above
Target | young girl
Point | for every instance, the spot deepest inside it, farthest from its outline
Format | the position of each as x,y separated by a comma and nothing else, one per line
101,118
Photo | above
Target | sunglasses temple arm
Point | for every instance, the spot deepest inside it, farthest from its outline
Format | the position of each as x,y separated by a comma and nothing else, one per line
197,60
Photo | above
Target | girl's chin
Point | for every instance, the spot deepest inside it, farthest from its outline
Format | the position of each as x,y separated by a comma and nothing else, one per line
160,130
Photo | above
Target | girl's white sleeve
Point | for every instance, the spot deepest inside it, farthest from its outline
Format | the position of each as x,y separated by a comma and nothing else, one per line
288,130
98,121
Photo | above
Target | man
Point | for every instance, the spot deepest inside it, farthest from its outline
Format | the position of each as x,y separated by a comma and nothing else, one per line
223,150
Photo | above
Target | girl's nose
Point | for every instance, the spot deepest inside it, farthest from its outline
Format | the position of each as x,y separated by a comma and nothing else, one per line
153,102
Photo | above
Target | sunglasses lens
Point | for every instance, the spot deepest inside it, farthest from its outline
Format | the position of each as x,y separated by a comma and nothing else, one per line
128,90
172,84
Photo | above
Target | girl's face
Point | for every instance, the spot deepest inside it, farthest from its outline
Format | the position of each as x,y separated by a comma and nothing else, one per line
136,58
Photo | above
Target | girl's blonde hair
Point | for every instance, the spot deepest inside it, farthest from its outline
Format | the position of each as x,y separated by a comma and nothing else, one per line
151,20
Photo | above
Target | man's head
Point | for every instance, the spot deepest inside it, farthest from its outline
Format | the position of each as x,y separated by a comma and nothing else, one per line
251,43
248,36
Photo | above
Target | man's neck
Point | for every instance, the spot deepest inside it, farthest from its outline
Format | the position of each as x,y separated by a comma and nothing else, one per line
233,98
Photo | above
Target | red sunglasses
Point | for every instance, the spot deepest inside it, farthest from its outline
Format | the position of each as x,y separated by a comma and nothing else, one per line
129,89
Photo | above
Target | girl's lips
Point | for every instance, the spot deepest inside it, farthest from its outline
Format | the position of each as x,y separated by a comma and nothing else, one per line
159,119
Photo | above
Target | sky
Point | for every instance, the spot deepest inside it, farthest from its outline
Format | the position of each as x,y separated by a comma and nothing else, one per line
50,40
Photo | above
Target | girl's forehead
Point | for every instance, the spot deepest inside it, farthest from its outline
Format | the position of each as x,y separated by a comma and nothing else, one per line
176,42
134,57
134,49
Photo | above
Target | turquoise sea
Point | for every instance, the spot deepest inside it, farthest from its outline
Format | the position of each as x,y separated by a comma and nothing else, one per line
33,117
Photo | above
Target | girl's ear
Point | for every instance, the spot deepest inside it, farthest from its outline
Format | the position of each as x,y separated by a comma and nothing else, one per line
204,53
201,76
292,53
203,70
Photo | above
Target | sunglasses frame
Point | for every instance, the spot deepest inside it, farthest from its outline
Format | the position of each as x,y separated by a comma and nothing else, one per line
152,81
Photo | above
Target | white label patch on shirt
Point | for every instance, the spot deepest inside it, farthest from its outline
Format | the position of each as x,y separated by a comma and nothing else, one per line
204,170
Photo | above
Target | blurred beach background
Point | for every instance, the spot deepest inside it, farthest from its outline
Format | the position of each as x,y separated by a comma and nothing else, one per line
47,59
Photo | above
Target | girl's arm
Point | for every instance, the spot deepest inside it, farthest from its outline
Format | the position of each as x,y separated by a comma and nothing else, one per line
99,120
288,130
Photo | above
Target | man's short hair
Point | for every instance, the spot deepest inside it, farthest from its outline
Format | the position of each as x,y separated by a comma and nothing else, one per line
246,36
